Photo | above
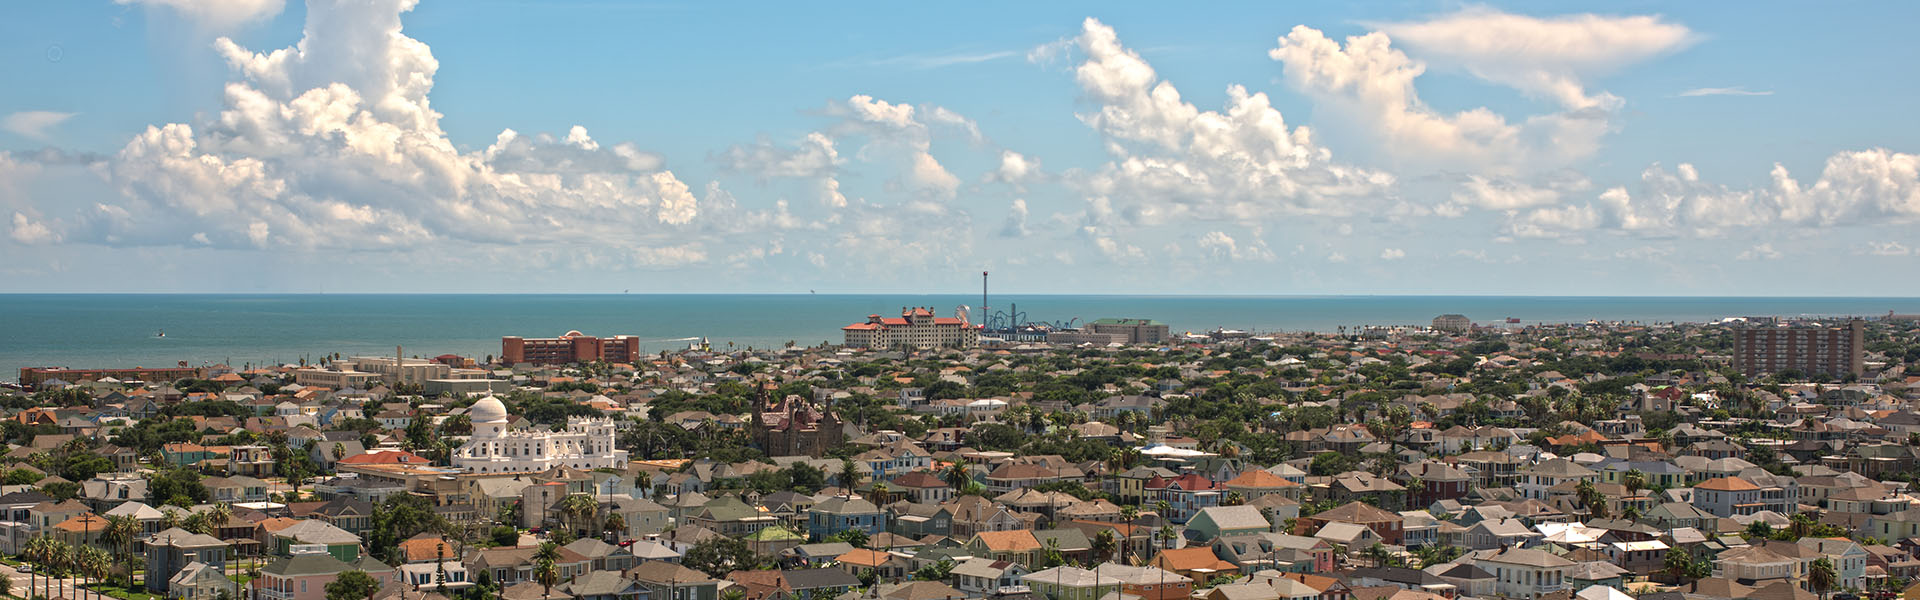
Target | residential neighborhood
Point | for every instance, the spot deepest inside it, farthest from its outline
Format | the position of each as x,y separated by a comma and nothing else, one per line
1599,460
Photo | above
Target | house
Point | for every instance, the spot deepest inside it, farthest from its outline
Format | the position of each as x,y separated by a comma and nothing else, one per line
511,565
1534,482
1253,484
1385,523
1403,578
981,576
300,576
1197,563
1526,572
1501,533
1848,558
1727,496
341,544
817,584
1071,583
922,487
199,581
170,551
1437,481
835,515
604,585
1756,565
1017,545
1276,551
1215,521
885,565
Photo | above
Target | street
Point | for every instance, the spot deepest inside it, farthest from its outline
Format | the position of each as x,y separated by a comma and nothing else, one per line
54,588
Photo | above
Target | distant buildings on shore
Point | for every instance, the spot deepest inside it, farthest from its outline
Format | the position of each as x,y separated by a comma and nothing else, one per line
32,377
571,347
1834,350
1452,323
915,329
1114,331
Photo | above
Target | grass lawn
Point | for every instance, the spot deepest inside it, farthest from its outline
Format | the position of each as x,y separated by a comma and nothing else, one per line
10,561
122,593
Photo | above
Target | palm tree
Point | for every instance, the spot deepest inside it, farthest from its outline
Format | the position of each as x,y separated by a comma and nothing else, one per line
1635,480
92,561
958,477
1821,577
123,531
849,476
197,523
1234,498
36,551
1103,544
169,518
578,508
644,481
615,524
547,574
548,551
879,492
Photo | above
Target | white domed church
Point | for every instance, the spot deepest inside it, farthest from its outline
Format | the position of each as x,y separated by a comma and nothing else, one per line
586,443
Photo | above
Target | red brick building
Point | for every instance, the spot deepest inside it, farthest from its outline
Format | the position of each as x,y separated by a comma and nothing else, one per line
1831,351
573,347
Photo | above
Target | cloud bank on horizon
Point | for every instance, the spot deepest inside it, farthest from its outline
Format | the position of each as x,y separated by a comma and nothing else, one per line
330,151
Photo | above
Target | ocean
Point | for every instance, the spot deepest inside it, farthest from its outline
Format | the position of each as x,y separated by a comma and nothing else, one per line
122,330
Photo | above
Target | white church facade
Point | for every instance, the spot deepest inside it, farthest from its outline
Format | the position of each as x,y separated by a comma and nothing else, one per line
586,443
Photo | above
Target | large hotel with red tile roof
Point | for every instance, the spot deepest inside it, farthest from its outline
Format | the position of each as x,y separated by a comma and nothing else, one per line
572,347
915,329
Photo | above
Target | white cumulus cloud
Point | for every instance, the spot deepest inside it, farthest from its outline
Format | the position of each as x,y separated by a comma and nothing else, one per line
1855,187
1171,159
34,123
217,15
333,143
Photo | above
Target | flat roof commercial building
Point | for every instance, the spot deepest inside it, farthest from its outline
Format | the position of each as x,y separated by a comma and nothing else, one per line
32,377
1138,331
570,348
1834,351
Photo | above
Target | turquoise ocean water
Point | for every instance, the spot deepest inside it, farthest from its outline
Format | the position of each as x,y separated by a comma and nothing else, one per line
92,330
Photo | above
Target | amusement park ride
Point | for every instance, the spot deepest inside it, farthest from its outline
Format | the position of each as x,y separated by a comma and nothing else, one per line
1013,325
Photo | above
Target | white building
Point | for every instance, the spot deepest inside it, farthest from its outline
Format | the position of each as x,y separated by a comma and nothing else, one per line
1526,573
586,444
915,329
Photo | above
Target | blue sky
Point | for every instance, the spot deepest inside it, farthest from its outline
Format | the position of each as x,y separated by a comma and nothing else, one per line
1249,148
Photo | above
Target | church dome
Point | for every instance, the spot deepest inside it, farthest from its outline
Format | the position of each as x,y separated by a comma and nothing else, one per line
488,410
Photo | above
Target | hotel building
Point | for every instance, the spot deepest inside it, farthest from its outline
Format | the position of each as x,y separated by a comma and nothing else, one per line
1814,350
915,329
574,347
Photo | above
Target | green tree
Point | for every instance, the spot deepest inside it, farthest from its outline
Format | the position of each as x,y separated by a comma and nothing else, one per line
720,555
353,585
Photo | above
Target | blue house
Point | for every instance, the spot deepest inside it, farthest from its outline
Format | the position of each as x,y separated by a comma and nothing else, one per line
835,515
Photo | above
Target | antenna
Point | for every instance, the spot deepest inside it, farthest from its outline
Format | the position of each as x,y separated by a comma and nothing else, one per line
985,310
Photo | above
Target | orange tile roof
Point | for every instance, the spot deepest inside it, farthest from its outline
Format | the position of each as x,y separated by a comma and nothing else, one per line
427,549
866,558
1188,559
1727,484
1017,540
1258,478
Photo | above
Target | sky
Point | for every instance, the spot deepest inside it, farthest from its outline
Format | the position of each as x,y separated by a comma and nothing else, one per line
594,146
